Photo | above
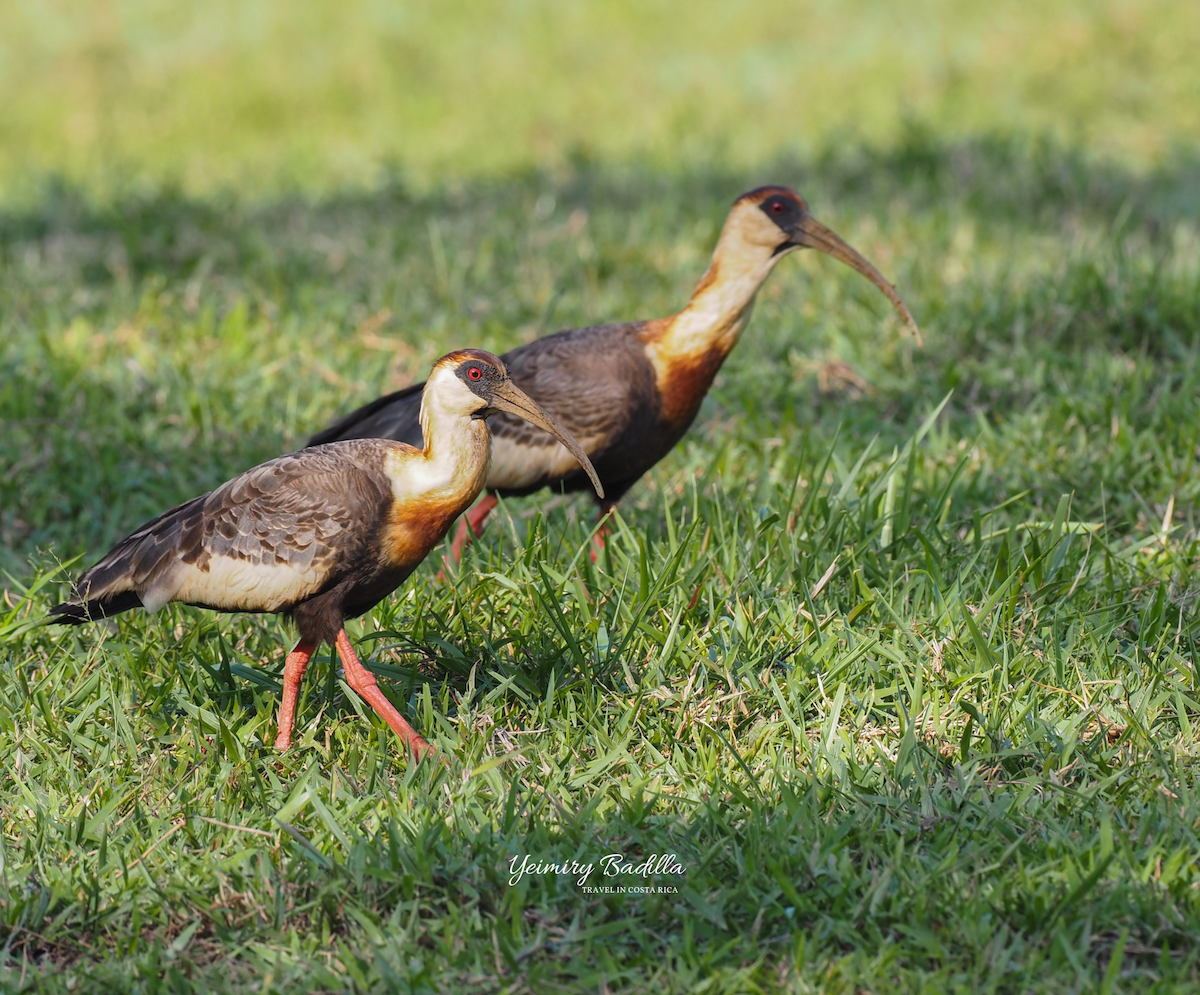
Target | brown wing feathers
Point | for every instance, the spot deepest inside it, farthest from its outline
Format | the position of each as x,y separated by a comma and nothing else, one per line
596,381
305,514
112,586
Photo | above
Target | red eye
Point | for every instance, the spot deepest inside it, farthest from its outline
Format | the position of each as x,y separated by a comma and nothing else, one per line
474,372
777,207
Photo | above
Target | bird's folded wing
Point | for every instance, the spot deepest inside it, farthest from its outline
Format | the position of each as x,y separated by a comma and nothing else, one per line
585,377
272,536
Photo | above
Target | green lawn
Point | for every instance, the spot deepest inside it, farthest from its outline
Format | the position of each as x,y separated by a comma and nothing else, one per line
895,652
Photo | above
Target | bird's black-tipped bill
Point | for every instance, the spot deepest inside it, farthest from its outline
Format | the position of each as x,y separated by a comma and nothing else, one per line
508,397
809,232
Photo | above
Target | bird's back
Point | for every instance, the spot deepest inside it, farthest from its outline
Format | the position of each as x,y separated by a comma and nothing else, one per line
270,537
596,381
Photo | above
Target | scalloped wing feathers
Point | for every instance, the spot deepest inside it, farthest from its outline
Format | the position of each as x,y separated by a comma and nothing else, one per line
268,538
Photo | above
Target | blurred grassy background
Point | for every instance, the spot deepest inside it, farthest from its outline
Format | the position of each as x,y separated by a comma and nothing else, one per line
268,95
221,224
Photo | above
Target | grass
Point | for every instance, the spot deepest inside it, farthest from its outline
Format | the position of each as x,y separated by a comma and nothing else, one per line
894,653
269,96
907,687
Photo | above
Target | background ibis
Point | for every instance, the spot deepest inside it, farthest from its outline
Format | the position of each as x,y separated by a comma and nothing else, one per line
627,392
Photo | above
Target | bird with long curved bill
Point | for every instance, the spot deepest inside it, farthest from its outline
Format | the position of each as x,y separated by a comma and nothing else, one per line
628,392
324,534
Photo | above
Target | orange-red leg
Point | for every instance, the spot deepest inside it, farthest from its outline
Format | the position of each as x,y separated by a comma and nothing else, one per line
363,681
293,674
470,526
606,510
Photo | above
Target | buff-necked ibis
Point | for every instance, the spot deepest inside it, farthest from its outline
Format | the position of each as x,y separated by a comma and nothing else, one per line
324,534
628,391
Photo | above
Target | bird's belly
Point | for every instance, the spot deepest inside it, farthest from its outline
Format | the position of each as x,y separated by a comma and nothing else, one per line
517,464
237,584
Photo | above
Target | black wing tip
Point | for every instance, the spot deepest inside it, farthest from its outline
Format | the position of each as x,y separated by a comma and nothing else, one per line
70,614
347,427
80,613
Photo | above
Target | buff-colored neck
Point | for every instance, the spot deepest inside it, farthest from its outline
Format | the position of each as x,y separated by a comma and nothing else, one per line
721,303
453,466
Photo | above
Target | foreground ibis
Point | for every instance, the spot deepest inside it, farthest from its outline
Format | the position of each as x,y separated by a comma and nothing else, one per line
629,391
324,534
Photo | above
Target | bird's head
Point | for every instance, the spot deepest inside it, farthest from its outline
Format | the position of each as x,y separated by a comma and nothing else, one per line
775,221
769,218
471,383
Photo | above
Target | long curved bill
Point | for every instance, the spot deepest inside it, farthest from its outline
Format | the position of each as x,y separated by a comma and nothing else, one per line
508,397
809,232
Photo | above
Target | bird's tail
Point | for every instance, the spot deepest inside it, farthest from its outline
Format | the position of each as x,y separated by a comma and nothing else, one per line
76,612
137,571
